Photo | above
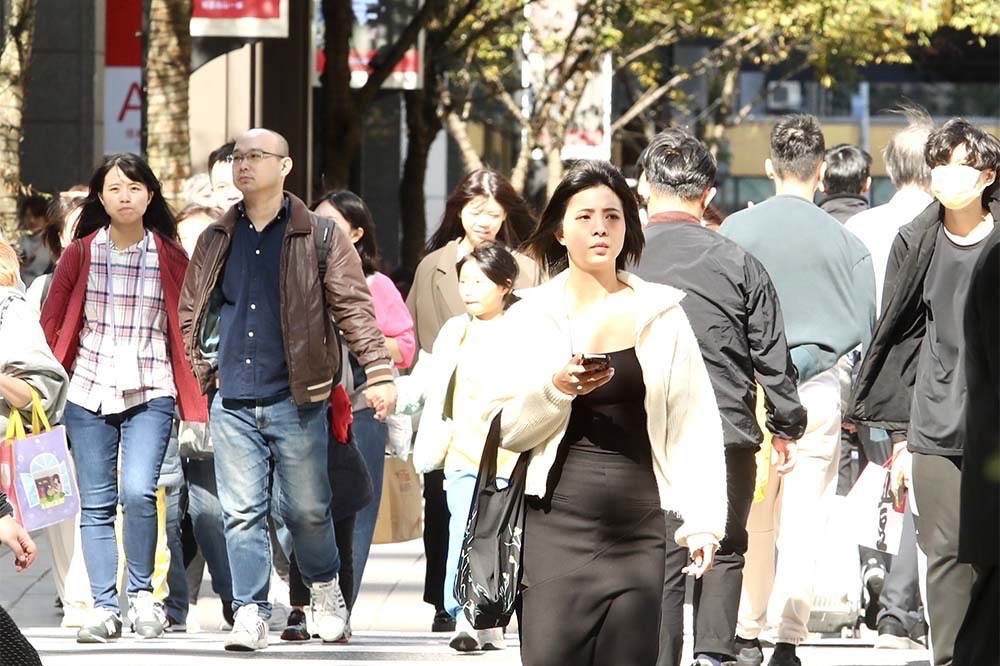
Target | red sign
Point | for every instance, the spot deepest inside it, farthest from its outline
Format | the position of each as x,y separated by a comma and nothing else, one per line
123,33
236,9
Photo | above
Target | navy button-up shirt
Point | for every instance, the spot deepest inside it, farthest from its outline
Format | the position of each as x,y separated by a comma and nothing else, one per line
252,362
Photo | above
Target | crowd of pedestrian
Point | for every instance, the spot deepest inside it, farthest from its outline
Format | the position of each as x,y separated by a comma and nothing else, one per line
688,393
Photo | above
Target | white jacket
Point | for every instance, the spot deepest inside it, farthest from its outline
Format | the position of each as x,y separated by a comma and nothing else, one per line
683,423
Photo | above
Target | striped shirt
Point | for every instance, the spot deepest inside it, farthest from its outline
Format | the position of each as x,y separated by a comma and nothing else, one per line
94,380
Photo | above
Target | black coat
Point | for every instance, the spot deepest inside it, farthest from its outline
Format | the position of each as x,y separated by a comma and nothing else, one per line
734,311
884,387
979,535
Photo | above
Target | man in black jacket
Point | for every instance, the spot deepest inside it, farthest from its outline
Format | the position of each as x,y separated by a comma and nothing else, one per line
919,346
734,311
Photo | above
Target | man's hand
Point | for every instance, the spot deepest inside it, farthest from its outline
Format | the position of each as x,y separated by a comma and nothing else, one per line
701,561
382,398
787,455
901,470
18,540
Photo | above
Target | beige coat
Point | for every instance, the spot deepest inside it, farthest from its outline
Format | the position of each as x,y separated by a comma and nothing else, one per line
434,297
683,423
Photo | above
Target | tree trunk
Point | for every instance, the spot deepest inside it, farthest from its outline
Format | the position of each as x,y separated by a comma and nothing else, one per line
341,118
554,164
459,130
168,74
14,63
519,175
422,127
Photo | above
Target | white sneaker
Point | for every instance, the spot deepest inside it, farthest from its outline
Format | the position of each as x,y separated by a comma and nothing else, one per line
249,631
329,610
146,615
491,639
465,638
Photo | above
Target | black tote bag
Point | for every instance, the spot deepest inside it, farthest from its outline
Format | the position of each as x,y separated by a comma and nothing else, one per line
489,568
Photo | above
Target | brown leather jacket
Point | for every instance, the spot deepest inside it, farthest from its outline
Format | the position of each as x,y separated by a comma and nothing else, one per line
309,313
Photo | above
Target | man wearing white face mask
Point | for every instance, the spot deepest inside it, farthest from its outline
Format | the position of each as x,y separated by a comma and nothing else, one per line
919,344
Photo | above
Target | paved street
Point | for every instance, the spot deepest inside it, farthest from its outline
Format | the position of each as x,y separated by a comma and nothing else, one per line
390,626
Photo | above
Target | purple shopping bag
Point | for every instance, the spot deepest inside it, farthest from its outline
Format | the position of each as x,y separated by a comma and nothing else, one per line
42,478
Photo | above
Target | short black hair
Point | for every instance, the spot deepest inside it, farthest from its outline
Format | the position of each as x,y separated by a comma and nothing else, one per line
543,245
677,164
31,202
847,170
904,154
220,154
497,263
982,149
797,146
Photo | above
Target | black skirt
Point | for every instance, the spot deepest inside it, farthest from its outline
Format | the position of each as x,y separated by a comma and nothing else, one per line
594,547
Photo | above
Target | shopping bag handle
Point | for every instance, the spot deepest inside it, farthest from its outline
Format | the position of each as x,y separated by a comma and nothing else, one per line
38,417
15,426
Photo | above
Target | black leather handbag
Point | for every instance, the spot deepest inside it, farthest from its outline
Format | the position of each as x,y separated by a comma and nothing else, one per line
489,569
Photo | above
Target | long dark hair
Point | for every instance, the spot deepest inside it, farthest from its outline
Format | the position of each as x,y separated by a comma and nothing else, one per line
543,245
356,212
498,264
157,217
490,184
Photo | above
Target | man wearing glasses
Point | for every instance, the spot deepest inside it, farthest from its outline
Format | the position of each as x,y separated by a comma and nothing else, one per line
255,274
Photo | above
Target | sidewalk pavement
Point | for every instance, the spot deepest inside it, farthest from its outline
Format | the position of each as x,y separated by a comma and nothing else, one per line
390,622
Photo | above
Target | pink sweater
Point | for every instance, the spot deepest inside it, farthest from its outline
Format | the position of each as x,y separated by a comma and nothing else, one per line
392,316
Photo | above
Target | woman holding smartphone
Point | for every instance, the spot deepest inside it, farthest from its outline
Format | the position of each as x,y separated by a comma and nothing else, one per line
111,320
613,443
484,207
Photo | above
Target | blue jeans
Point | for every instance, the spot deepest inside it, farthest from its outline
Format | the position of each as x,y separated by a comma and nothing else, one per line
205,511
142,433
459,487
249,437
370,437
176,604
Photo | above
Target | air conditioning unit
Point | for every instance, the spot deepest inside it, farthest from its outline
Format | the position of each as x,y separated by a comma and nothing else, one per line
784,96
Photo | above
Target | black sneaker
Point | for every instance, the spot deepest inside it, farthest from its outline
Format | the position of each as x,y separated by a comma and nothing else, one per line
784,655
102,626
892,635
748,652
443,622
296,630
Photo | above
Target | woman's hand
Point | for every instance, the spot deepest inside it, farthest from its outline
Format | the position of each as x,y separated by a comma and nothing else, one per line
577,378
18,540
701,560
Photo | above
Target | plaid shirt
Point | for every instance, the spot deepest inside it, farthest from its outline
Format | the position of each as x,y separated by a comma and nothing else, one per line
93,385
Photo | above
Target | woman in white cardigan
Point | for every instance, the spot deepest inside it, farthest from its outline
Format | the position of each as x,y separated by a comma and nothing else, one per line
450,387
603,383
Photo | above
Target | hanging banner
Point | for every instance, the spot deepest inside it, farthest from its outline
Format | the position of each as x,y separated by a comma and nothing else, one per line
377,25
239,18
589,133
123,76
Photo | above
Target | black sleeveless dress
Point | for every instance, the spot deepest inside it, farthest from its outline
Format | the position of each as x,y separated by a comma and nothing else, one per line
594,548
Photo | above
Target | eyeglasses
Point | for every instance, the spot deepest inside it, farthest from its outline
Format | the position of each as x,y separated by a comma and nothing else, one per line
253,156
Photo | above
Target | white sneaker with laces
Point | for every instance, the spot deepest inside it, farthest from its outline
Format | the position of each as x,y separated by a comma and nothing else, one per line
249,631
147,616
329,610
491,639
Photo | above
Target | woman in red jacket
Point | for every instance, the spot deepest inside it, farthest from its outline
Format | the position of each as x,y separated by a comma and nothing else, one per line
111,320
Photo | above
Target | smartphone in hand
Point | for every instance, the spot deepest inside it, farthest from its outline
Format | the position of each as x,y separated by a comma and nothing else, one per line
596,362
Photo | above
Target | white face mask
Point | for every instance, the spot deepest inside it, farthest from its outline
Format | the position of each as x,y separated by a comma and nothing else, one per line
956,185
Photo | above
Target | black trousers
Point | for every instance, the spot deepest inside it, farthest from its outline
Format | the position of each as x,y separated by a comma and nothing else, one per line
900,596
936,482
978,639
298,591
717,593
436,517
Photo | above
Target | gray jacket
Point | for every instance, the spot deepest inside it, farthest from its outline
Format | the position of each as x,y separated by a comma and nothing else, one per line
25,355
